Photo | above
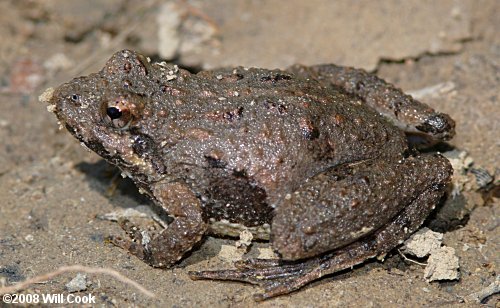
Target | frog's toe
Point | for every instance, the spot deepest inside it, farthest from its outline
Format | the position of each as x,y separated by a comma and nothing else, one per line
132,230
137,241
253,272
255,263
132,246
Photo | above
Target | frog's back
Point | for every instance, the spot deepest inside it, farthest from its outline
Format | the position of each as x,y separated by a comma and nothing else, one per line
270,127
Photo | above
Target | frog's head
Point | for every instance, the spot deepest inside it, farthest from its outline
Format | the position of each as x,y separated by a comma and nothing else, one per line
105,114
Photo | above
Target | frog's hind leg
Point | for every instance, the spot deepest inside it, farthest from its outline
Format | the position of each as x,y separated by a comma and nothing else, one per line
430,172
409,114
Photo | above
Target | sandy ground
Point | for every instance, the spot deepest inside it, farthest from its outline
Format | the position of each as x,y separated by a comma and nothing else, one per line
52,190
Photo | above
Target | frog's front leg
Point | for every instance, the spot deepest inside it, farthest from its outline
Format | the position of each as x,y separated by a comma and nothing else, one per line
187,228
342,217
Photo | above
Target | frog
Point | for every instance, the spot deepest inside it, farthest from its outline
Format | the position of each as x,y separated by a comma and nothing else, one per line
317,160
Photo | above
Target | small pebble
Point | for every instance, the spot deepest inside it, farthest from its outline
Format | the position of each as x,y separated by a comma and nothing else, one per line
77,284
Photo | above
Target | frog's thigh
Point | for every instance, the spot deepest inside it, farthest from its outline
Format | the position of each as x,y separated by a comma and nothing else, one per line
408,113
186,230
345,203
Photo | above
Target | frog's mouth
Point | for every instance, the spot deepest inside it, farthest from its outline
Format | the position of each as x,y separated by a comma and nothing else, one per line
92,145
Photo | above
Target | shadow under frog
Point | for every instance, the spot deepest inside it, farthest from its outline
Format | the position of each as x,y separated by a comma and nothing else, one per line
313,158
100,174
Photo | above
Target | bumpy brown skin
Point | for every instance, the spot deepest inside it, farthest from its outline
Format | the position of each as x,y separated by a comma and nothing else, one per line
312,151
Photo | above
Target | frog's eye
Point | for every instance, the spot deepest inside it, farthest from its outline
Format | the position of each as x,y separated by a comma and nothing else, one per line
114,113
75,97
122,109
117,112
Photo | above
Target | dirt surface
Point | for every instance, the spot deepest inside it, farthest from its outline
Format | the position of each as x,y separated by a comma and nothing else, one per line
52,190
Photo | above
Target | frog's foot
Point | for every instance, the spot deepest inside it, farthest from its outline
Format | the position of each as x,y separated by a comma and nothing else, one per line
278,277
134,245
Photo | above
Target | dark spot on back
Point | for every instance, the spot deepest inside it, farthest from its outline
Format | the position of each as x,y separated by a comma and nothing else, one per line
309,130
360,85
233,114
127,84
275,78
280,108
310,133
240,173
215,162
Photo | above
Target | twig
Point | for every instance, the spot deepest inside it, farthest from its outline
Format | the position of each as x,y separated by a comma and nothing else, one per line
76,268
196,12
410,260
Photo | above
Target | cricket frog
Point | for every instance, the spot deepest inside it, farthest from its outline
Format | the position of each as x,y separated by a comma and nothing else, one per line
314,159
